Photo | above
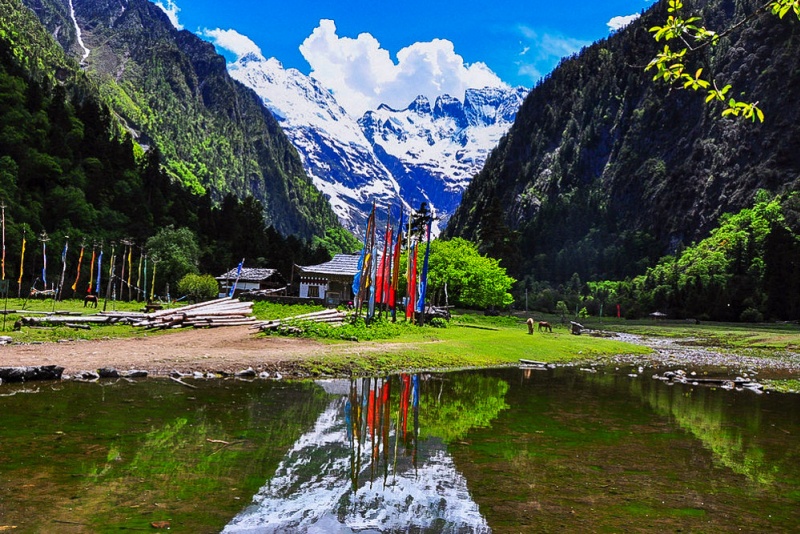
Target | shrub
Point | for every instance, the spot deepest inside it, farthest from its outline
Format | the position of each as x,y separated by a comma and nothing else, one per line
198,287
751,315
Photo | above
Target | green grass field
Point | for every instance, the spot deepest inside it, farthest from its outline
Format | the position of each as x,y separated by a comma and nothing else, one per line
468,340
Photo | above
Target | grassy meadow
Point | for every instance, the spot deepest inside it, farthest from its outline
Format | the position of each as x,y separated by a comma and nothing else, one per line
468,340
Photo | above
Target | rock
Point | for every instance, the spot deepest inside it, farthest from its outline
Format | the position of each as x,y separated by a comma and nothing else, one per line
5,340
134,373
26,374
247,373
263,374
86,375
108,372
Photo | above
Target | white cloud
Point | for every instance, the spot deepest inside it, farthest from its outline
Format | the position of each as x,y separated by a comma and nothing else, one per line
362,75
617,23
171,9
232,41
543,51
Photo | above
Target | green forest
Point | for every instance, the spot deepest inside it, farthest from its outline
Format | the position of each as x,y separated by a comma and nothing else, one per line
67,171
605,172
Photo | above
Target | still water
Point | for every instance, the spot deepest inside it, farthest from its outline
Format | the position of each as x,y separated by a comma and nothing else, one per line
503,450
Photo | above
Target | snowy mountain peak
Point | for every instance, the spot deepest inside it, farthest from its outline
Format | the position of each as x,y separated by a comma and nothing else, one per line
421,105
419,154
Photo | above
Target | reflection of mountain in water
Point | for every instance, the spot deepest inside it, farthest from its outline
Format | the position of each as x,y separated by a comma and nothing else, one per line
339,481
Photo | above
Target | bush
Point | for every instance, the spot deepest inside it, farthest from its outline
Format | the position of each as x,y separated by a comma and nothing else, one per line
198,287
751,315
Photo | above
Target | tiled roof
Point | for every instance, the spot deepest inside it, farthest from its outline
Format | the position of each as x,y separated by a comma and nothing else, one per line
341,264
251,274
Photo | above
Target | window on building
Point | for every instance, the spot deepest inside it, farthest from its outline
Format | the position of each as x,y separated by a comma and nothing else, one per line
313,292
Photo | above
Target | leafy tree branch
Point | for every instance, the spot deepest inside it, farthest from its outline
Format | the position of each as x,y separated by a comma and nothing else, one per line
670,64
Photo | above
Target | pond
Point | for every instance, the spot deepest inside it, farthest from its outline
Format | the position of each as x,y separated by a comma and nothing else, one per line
500,450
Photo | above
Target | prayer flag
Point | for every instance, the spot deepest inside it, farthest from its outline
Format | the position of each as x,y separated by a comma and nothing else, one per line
99,272
238,274
22,260
44,263
91,270
78,276
412,283
423,279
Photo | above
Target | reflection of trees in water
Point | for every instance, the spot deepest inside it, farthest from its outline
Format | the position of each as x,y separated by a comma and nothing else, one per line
732,438
377,459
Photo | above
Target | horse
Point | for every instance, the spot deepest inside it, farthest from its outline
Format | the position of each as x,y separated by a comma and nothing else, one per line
90,299
530,325
544,325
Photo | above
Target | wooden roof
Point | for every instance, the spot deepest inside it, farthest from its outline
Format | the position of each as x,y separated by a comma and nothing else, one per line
250,274
340,265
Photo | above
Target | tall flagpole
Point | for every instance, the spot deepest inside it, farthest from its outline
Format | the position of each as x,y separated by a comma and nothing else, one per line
3,207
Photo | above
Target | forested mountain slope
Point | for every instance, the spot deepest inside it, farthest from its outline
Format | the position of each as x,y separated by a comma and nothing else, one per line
170,88
66,169
604,171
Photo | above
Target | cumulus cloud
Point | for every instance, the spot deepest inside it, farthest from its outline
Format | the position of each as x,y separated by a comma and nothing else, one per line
232,41
171,9
542,51
617,23
362,74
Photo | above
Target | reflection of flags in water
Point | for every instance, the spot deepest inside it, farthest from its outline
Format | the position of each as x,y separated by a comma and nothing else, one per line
423,279
238,274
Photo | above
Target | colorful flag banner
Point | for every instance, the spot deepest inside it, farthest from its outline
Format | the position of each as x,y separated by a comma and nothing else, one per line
91,270
44,263
78,276
238,275
423,279
412,282
396,266
21,262
99,271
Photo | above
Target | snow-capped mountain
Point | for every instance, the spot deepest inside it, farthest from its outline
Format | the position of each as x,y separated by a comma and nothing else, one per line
419,154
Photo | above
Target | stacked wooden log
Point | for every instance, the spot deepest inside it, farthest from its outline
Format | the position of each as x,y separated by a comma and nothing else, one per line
333,317
214,313
74,320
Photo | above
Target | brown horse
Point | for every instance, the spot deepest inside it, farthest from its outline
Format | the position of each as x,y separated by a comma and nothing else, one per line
90,299
544,325
530,326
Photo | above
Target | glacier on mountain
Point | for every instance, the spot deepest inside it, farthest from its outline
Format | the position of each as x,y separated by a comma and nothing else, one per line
390,157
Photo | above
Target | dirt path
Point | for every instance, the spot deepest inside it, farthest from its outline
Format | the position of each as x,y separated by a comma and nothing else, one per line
229,349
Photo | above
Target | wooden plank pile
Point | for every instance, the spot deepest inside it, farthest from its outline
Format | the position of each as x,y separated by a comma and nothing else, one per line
220,312
214,313
333,317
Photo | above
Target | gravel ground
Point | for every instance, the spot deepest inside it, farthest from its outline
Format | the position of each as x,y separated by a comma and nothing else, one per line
671,353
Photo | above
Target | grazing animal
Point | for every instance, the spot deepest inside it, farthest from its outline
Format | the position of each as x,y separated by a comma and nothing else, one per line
544,325
530,326
90,299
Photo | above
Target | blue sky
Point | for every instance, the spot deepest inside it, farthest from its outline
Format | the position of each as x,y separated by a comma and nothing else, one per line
363,49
